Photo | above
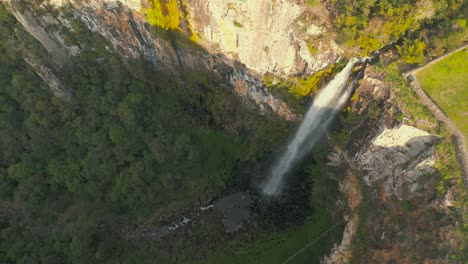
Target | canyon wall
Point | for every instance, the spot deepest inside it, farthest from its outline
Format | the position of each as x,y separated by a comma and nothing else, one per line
127,31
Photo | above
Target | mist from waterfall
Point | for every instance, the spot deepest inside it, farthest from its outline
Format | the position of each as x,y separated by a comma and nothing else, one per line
326,103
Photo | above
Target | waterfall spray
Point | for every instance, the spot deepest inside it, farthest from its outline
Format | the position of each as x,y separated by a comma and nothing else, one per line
320,114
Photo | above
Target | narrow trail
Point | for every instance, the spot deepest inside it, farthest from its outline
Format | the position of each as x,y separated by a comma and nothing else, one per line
457,136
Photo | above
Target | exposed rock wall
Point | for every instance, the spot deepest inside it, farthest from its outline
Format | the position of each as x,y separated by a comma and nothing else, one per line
130,35
132,4
267,36
46,74
399,158
128,32
36,26
342,253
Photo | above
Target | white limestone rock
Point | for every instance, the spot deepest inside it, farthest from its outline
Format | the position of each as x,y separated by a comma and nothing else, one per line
401,158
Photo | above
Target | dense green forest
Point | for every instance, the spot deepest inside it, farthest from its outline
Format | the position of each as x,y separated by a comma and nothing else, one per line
129,142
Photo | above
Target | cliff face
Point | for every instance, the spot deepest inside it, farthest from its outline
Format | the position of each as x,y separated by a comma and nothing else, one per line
125,27
267,36
239,39
399,159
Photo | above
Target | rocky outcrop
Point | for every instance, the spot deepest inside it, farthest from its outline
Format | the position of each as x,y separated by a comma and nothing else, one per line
133,37
132,4
36,26
46,74
399,158
267,36
280,37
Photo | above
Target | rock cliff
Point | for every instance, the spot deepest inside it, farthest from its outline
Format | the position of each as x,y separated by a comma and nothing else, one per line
281,37
267,36
127,31
399,158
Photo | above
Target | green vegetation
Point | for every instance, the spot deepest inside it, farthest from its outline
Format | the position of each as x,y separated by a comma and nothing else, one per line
363,236
446,82
134,141
313,2
238,24
447,162
295,91
312,49
372,24
131,142
412,52
447,165
279,246
304,87
164,14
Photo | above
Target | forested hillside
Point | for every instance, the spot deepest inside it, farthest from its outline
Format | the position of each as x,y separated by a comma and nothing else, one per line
129,142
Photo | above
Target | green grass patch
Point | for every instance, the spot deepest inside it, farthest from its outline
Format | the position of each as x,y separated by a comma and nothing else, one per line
446,82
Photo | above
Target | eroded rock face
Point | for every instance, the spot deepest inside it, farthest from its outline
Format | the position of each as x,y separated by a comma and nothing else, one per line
55,84
400,158
267,36
405,214
36,26
124,26
132,4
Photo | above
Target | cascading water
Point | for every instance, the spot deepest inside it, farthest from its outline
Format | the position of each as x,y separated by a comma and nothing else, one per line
320,114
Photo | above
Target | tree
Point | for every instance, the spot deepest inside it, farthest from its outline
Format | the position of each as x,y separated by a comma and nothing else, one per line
412,51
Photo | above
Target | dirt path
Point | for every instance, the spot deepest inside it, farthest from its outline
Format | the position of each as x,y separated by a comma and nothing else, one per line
457,136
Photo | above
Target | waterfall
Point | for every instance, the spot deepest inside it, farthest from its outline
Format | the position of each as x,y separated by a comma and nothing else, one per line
326,103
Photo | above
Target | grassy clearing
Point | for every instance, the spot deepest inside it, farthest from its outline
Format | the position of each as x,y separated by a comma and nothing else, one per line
446,82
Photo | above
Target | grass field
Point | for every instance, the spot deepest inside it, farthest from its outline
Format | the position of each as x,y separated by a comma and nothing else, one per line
446,82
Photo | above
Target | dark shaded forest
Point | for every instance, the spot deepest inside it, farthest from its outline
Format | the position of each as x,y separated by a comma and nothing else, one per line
130,141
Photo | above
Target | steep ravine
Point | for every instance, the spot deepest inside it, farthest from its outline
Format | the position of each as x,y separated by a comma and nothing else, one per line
393,159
